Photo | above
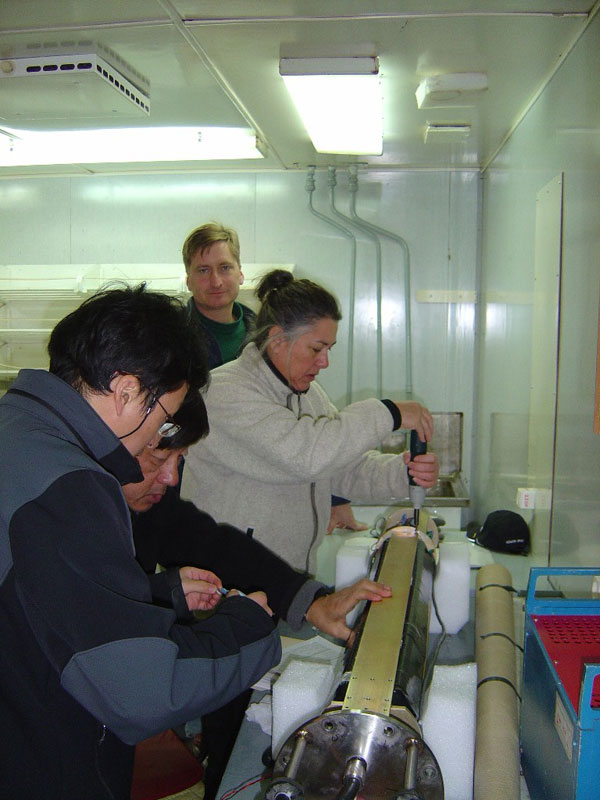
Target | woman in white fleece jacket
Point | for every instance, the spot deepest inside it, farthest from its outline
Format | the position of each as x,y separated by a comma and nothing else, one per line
278,448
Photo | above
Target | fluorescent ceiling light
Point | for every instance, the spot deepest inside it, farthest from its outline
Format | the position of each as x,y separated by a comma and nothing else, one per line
340,102
19,148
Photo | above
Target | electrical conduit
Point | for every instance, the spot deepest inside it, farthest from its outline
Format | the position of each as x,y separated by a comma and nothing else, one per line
310,187
375,229
332,183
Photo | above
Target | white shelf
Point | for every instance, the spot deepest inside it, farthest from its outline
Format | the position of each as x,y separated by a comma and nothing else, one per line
34,297
79,280
24,332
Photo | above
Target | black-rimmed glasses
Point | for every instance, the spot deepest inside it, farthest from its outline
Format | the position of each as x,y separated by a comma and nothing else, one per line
167,429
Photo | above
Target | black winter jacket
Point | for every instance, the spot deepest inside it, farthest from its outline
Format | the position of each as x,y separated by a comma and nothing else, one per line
88,664
174,533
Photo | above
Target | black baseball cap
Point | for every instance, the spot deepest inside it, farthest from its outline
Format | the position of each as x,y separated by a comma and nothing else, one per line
505,532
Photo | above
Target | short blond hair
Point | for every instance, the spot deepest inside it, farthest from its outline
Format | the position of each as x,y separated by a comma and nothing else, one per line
207,235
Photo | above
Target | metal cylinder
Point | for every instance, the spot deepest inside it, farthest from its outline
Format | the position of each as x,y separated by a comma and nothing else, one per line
353,779
284,789
410,772
409,680
297,753
370,745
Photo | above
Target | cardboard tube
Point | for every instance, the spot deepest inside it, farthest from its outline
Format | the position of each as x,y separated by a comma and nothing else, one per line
496,774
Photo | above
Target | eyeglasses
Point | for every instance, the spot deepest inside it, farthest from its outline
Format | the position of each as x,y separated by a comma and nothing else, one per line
169,427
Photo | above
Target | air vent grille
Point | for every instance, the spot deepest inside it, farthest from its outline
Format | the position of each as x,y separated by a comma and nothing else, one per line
132,86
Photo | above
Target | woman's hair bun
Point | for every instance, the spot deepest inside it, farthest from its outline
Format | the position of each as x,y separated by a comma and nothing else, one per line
276,279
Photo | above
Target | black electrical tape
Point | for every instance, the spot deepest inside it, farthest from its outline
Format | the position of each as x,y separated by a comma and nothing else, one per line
502,680
498,633
498,586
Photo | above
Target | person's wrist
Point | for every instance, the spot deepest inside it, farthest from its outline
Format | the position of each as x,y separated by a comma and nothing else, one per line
322,591
394,410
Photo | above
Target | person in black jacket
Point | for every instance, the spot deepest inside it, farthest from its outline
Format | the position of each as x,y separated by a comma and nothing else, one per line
89,664
173,532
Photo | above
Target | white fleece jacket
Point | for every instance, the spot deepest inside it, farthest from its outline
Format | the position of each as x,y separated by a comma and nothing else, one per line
274,457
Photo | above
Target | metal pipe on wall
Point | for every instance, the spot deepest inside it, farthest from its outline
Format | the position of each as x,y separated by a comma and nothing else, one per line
375,229
310,187
332,183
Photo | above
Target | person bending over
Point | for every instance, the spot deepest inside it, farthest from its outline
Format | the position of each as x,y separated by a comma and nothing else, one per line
89,664
199,556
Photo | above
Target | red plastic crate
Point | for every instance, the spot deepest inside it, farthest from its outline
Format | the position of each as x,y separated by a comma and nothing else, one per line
572,641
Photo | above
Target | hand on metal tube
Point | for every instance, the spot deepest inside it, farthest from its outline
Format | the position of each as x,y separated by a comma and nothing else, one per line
328,613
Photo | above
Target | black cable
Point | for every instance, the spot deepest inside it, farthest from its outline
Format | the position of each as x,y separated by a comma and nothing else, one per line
351,786
498,586
501,679
434,656
504,635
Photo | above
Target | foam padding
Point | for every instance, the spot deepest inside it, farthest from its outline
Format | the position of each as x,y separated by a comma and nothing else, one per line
449,726
301,692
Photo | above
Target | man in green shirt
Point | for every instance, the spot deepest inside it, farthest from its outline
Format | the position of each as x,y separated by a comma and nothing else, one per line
211,255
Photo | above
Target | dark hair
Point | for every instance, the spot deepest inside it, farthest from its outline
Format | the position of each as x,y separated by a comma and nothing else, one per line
193,418
292,304
132,331
204,237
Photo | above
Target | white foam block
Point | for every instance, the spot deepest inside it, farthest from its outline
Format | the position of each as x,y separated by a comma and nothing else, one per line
452,586
449,726
352,563
301,692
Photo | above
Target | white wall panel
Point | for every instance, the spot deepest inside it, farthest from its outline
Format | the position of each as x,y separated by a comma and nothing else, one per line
560,134
144,219
35,220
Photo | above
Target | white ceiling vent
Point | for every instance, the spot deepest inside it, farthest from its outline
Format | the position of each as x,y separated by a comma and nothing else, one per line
459,90
85,83
446,133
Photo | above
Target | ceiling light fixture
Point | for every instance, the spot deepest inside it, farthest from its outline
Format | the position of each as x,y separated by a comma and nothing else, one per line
20,148
339,100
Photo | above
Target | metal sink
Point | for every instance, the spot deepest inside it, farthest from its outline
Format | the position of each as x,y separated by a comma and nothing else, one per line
443,488
448,491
